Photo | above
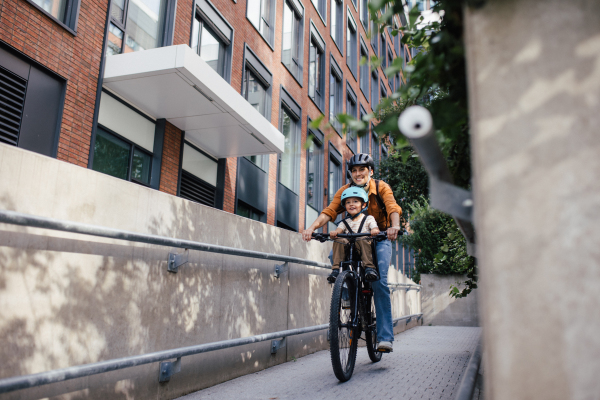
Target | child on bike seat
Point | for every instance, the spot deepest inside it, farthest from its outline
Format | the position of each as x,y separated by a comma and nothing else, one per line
354,200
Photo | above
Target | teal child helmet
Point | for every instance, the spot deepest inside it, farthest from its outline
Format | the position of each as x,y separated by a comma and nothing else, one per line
354,192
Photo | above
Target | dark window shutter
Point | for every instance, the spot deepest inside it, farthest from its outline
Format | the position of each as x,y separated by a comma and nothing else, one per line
195,189
12,99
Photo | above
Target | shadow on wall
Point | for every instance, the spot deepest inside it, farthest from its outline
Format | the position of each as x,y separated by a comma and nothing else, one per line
73,299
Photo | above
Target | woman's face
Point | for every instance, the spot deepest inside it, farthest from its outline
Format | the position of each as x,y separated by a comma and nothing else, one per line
360,174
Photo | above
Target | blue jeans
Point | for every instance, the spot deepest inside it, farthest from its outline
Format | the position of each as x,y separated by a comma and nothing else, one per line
381,292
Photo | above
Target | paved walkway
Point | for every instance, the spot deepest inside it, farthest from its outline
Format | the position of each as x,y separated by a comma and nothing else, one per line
427,363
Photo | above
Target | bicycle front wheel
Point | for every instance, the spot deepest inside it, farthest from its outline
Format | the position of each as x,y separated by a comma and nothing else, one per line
344,338
371,333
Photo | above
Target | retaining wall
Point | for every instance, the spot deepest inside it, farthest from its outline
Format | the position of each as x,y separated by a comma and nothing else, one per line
441,309
69,299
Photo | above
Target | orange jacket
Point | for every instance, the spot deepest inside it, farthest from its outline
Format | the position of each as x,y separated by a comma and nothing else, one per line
385,192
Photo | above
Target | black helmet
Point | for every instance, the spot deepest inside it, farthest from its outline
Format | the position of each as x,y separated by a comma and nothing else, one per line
361,159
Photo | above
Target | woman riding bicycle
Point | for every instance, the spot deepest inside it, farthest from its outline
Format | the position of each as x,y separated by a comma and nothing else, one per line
385,210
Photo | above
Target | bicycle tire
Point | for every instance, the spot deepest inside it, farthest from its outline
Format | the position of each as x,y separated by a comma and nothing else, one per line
371,334
344,340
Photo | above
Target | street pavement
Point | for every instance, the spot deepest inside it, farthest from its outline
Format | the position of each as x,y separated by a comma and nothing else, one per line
427,363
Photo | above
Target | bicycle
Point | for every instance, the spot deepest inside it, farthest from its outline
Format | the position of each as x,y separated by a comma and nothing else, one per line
352,309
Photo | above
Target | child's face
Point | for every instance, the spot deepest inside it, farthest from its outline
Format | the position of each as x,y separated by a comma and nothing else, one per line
353,205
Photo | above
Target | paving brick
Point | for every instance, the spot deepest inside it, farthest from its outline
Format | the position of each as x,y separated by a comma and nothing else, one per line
427,363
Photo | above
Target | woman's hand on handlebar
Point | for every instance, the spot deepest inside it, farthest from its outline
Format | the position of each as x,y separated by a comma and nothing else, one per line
307,234
392,232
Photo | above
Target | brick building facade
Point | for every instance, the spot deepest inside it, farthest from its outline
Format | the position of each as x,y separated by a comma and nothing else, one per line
56,52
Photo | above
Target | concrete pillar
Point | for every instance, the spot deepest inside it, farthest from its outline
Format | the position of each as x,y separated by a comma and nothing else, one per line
534,81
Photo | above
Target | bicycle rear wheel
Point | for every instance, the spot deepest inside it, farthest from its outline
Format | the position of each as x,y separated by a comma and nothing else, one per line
371,333
344,339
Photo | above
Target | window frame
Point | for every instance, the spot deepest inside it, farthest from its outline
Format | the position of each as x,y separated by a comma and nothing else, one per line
335,73
270,24
390,57
364,50
382,48
133,147
364,14
351,137
334,157
338,35
167,27
374,89
352,56
210,15
375,147
316,39
71,15
321,12
298,21
374,38
318,184
288,105
252,64
383,91
366,138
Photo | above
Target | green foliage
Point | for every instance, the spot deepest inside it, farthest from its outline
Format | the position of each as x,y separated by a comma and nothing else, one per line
441,246
407,177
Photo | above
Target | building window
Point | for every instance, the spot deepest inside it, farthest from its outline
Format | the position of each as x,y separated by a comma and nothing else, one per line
321,7
335,95
337,23
198,176
135,25
262,15
374,38
351,45
375,150
124,142
397,41
383,90
315,158
382,52
336,177
256,88
121,158
65,12
390,57
289,161
364,139
208,45
292,43
247,211
211,38
351,110
364,13
364,69
374,90
316,68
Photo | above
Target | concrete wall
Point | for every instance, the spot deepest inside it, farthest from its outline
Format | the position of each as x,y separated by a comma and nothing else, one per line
70,299
534,82
441,309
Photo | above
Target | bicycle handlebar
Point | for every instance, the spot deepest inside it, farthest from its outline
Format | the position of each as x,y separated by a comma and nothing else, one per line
323,237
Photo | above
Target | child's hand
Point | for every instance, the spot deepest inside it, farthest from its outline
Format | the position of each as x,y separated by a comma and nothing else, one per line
333,234
375,231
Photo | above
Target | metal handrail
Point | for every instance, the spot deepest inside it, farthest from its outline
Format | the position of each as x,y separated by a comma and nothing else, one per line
16,218
79,371
469,380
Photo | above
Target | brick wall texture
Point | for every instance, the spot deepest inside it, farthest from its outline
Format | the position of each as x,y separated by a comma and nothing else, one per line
169,169
77,59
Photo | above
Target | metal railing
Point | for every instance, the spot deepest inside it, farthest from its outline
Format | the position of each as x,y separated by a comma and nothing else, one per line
469,380
167,368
